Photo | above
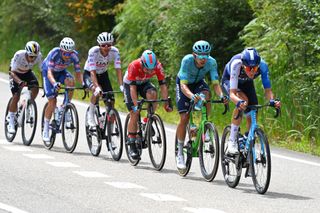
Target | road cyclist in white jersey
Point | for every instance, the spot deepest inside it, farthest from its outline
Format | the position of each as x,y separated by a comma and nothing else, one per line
21,74
96,76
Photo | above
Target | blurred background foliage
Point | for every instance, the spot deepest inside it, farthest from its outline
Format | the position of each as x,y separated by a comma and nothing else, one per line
286,33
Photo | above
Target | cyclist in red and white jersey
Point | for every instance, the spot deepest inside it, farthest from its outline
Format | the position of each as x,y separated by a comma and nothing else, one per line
95,74
21,74
137,79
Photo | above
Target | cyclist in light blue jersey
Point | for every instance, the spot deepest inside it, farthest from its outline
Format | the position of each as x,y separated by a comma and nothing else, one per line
54,74
237,81
190,83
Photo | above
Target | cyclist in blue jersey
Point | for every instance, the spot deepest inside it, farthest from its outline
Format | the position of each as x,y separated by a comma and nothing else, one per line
190,83
237,81
54,74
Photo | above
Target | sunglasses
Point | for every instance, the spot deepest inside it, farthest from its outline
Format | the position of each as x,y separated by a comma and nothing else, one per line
251,69
105,45
66,54
32,57
204,56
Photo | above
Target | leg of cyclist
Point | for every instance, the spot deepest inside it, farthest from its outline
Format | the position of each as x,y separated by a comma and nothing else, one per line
90,81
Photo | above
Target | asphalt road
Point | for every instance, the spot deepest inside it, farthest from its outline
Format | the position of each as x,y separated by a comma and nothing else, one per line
33,179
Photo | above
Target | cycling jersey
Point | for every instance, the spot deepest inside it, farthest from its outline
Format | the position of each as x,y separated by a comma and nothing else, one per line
55,62
189,73
135,74
234,72
20,64
96,61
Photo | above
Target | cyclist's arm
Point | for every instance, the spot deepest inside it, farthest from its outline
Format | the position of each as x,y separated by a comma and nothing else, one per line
164,91
268,94
79,77
50,76
93,76
133,94
185,90
218,90
119,75
13,75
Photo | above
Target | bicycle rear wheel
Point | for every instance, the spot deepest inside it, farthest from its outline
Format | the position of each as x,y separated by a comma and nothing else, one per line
209,152
9,136
115,137
157,143
133,162
187,152
230,169
29,122
52,129
260,162
70,127
93,135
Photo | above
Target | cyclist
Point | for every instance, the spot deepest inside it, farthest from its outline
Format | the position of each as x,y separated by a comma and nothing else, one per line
136,80
95,74
190,83
237,81
54,74
21,74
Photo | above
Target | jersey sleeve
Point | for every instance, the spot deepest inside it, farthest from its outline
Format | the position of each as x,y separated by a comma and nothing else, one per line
265,75
214,72
14,62
235,67
160,72
183,75
117,61
76,62
52,57
132,73
91,61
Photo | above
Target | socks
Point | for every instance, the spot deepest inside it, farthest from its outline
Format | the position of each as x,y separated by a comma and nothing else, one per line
11,117
180,147
233,132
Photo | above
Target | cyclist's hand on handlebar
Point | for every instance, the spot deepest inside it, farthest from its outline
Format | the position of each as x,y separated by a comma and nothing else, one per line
242,105
275,103
121,88
97,91
167,107
225,99
134,108
57,86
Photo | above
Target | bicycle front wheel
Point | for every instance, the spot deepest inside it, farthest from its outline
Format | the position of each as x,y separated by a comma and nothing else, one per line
132,161
52,129
93,135
9,136
260,162
115,137
209,151
230,169
29,122
157,143
70,127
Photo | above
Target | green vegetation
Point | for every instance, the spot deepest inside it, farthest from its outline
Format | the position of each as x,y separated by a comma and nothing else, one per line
286,33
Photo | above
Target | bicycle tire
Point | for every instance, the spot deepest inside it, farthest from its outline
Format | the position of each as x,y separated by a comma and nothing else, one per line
187,151
133,162
114,130
211,150
93,132
10,137
158,140
31,120
72,125
227,162
48,145
260,157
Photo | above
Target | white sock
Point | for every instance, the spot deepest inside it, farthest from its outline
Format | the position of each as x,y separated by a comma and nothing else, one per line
180,147
46,125
91,108
11,117
233,132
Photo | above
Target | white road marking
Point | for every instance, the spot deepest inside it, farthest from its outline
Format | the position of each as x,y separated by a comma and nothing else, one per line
39,156
18,148
202,210
62,164
91,174
125,185
2,141
4,80
11,209
296,160
162,197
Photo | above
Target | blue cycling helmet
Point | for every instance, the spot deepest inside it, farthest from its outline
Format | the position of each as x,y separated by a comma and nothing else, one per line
250,57
201,47
148,59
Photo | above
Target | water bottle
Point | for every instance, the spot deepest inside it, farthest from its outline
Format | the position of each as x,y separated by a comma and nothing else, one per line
241,142
144,123
57,114
200,102
193,131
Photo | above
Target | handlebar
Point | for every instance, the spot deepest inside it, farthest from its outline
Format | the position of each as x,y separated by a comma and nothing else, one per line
256,107
142,101
226,106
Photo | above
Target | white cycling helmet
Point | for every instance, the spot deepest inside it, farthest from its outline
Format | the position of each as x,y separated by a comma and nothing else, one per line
67,44
105,37
32,48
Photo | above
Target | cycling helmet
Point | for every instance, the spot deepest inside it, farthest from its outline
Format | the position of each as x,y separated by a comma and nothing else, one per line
67,44
201,47
32,48
250,57
149,59
105,38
